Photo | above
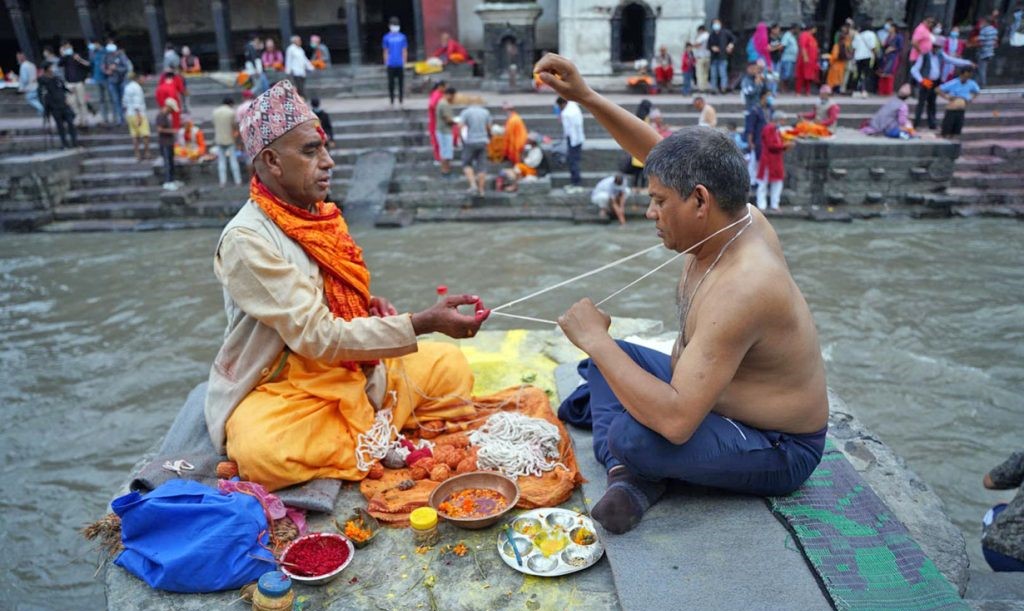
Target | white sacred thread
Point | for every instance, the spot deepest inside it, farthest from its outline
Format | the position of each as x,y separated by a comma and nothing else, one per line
374,444
748,218
517,445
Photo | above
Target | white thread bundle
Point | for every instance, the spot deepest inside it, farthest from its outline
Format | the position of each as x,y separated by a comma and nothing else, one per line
516,445
374,444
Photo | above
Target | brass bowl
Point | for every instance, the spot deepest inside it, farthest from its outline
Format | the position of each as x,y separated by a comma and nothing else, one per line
477,479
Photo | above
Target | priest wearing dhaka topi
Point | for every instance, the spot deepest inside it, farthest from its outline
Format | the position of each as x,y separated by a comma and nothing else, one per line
310,355
741,403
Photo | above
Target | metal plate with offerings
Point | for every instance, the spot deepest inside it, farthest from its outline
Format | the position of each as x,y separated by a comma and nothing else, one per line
549,542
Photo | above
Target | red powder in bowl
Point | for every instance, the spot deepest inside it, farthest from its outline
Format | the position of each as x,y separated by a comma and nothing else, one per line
315,556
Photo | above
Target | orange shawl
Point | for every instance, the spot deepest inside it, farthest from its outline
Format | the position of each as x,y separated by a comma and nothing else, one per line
515,137
325,238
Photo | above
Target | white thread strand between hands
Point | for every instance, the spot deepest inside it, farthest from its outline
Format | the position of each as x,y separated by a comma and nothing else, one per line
516,445
748,218
574,279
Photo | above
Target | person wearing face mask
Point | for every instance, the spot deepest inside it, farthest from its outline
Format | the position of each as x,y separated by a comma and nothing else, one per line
396,54
893,118
892,50
952,46
884,31
988,38
76,70
116,66
720,43
97,56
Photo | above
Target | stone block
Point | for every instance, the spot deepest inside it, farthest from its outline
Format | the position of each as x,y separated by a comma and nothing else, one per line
838,173
874,197
834,198
877,173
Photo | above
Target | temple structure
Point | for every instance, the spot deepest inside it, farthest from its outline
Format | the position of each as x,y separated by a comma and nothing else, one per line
600,34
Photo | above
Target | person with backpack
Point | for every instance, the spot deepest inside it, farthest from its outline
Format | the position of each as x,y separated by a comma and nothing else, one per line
116,67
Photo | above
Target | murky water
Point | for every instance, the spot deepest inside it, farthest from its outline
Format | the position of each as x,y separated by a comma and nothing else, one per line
102,335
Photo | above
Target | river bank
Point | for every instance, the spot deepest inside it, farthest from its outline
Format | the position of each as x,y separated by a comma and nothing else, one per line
103,335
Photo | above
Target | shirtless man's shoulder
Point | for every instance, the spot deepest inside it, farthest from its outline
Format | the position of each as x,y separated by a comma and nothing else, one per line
780,381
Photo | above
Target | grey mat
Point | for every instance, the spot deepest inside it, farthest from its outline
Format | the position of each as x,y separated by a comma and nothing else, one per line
189,439
698,548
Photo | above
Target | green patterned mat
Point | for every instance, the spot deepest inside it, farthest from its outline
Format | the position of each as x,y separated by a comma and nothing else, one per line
863,555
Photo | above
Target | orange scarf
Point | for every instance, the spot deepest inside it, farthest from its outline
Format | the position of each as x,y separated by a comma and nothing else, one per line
325,238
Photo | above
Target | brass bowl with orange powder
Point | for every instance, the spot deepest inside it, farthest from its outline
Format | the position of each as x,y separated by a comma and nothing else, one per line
477,480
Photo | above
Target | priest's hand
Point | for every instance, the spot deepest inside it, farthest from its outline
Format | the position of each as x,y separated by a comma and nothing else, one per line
381,307
584,324
561,75
444,317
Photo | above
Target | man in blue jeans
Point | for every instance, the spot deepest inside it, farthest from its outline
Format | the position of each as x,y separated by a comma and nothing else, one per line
721,43
741,404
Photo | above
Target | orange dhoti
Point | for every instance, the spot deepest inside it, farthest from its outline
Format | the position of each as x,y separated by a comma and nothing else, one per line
305,424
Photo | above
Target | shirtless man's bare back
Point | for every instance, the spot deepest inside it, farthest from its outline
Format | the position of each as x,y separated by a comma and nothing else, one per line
742,403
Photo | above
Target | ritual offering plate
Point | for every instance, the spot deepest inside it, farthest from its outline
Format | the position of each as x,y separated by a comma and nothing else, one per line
550,542
316,558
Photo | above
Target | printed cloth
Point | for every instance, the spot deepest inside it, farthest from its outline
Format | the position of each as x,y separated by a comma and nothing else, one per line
271,115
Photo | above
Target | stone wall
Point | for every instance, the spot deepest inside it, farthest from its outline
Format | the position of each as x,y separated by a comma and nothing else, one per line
858,169
31,186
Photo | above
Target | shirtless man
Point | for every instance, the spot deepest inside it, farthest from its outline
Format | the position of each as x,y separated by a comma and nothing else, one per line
741,404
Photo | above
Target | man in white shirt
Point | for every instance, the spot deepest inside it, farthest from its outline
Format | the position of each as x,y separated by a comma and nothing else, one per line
134,103
611,193
702,55
864,45
572,128
296,64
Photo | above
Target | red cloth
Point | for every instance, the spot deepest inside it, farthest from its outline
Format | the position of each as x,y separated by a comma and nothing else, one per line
807,70
772,149
663,74
435,98
687,62
885,83
167,89
453,48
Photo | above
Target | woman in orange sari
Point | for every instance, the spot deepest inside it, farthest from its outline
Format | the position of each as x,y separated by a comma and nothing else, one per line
842,52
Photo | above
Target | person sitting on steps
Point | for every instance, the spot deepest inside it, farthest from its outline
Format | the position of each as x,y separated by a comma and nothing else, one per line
741,404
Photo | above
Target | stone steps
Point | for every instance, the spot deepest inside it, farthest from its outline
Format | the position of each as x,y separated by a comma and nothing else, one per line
992,180
113,194
987,195
146,209
105,179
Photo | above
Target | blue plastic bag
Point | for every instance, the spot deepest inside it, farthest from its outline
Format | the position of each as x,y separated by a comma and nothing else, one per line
187,537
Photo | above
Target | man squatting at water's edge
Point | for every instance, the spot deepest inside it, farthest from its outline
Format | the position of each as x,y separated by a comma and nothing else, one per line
741,404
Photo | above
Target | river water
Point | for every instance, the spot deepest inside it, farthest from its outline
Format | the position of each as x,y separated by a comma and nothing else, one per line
102,336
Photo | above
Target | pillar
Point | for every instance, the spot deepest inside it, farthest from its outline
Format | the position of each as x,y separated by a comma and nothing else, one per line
156,23
24,29
286,21
87,18
417,27
222,30
355,45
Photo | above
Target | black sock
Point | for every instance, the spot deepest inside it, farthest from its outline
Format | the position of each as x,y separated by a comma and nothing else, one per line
624,502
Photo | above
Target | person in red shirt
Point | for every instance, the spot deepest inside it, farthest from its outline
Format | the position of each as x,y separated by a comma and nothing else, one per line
807,69
771,170
686,67
168,89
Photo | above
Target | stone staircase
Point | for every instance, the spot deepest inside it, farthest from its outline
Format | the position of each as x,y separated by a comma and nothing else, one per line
113,191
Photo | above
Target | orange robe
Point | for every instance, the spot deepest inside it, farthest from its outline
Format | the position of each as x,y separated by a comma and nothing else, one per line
515,136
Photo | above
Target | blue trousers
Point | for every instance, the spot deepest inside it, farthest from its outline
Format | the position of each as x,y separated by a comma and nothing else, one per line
722,453
1000,563
574,155
720,74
